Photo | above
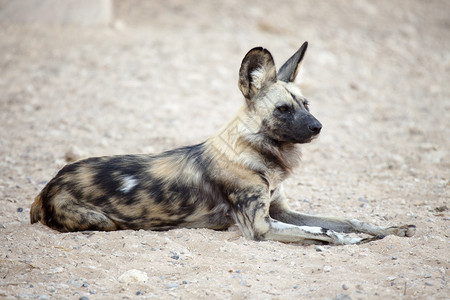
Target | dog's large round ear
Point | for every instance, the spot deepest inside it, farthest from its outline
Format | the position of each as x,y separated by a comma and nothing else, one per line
257,71
289,70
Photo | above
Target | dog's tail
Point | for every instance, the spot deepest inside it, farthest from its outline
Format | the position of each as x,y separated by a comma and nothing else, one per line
36,209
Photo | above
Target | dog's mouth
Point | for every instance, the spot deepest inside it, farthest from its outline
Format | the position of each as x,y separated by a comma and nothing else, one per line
315,136
309,139
303,140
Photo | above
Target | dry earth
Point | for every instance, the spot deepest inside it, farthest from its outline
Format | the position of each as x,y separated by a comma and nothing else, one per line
163,75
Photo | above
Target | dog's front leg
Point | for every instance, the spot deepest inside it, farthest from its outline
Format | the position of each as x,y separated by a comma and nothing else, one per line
284,232
280,211
251,213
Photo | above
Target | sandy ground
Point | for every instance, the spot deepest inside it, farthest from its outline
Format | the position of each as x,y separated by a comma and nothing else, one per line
165,75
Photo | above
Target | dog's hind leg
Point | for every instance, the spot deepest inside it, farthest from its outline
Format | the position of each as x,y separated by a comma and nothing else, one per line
66,214
280,211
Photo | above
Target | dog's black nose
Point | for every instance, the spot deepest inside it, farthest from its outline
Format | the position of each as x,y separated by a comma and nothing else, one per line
315,127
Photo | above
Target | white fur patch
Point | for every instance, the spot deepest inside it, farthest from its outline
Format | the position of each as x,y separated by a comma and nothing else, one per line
258,77
129,182
312,229
280,226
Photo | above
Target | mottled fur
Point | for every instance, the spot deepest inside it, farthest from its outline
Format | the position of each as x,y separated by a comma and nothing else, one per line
233,177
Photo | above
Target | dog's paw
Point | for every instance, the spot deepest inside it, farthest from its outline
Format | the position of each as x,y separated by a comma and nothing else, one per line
405,230
410,230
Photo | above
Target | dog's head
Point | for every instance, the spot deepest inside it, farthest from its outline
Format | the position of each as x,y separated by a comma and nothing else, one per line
275,104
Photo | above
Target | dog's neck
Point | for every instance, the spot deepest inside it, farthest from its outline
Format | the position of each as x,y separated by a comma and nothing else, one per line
276,154
241,142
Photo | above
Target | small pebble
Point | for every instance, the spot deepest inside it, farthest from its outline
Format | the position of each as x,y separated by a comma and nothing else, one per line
173,285
92,292
394,257
20,209
428,283
44,297
390,278
345,287
51,289
184,282
363,199
138,293
77,284
133,275
176,257
319,248
83,298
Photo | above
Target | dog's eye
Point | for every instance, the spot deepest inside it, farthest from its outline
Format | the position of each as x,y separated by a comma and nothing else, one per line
306,104
283,108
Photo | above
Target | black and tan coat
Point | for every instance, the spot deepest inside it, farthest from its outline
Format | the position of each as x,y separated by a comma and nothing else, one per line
234,177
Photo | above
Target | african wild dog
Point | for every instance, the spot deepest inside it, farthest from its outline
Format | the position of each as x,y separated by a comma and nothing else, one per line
233,177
